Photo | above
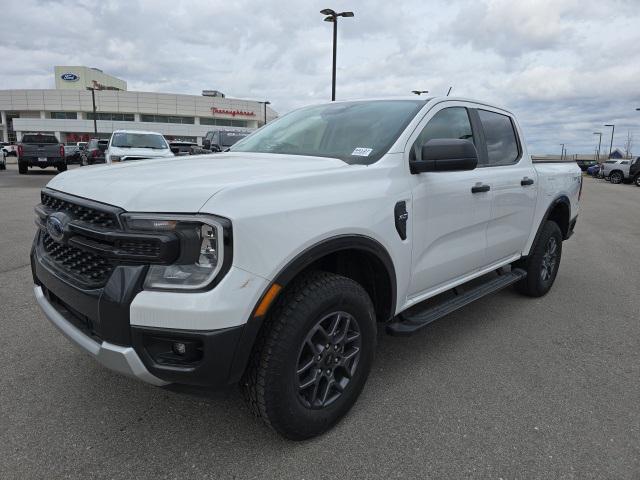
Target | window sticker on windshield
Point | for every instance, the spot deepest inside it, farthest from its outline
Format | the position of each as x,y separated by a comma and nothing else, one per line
362,152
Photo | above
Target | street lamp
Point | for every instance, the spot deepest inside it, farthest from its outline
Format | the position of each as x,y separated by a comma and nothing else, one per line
332,16
613,129
599,143
267,102
419,92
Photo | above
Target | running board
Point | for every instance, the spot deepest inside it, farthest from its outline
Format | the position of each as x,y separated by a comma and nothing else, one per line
409,323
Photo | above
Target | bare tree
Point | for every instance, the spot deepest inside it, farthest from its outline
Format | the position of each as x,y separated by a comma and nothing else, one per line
628,144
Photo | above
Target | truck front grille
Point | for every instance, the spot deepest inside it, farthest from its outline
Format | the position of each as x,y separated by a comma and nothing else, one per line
91,269
83,213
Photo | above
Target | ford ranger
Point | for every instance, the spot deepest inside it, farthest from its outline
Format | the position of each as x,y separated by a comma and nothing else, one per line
274,264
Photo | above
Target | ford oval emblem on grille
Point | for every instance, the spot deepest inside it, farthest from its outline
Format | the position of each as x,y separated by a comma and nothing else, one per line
56,226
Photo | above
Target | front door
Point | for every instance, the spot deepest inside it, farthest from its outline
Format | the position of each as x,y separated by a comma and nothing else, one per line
449,220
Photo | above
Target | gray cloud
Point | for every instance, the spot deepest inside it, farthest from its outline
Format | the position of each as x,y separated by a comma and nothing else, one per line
565,66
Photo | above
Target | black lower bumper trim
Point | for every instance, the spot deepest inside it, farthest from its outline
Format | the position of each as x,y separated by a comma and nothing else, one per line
206,362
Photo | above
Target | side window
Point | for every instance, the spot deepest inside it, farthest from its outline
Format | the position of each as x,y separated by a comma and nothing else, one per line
452,122
500,136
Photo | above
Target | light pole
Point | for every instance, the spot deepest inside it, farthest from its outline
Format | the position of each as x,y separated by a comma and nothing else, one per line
419,92
613,129
599,143
562,152
267,102
93,100
332,16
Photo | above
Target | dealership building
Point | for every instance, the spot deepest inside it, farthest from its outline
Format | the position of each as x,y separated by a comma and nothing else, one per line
68,110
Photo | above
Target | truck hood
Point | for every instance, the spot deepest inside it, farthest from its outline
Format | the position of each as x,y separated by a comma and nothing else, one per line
182,184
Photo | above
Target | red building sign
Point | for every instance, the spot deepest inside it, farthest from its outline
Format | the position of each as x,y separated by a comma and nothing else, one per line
233,113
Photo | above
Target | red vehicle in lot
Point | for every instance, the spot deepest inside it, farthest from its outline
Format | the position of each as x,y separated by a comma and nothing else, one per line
94,152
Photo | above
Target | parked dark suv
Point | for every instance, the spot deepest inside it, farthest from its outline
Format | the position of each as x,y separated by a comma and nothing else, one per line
221,139
634,171
94,152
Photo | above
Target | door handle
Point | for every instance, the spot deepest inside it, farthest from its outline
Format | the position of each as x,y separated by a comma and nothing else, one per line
479,188
526,181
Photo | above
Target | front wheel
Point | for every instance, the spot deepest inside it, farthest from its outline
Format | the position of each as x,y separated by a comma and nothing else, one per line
542,263
22,168
637,180
313,356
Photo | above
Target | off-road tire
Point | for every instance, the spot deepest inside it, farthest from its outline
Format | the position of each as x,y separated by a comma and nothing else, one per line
534,285
270,381
22,168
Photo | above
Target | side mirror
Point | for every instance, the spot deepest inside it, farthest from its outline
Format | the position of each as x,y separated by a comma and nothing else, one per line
446,155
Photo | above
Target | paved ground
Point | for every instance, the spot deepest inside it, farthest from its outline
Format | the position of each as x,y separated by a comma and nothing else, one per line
507,388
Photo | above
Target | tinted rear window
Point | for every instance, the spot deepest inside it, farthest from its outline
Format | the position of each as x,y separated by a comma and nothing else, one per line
230,138
39,139
500,136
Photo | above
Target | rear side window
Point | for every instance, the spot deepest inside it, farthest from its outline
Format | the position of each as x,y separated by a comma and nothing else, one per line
452,122
500,136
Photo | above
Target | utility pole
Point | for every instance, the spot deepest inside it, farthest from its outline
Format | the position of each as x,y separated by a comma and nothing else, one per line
613,129
93,100
599,144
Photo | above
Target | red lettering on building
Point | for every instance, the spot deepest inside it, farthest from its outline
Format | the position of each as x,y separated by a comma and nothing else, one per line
233,113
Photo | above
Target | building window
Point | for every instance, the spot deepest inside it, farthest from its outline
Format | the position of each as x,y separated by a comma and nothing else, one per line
166,119
64,115
222,122
114,117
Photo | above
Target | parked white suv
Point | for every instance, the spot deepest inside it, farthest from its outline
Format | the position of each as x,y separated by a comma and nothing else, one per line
274,264
616,171
127,145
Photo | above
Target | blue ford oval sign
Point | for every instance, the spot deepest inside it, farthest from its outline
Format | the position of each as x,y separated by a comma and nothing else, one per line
69,77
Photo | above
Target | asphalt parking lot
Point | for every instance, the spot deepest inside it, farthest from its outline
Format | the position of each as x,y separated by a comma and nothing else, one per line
509,387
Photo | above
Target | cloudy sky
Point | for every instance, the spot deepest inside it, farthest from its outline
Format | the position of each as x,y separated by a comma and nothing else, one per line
565,67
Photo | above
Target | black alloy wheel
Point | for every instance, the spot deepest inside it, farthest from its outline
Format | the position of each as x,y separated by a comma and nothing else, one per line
328,359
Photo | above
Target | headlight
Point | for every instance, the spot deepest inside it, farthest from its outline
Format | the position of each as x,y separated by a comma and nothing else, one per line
202,249
115,158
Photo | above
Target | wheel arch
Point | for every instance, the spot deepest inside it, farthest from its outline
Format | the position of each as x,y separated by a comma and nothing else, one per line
358,257
559,211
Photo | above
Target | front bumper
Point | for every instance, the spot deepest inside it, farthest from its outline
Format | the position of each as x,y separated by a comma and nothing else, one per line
121,359
136,338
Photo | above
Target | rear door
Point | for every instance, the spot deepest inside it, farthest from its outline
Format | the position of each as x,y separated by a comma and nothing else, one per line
513,184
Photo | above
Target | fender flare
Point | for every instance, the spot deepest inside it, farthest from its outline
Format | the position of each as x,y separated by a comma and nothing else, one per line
561,199
301,261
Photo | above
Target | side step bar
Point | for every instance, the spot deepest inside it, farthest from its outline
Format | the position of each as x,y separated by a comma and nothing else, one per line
409,323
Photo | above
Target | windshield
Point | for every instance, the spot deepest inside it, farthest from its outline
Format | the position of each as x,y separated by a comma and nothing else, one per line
138,140
355,132
230,138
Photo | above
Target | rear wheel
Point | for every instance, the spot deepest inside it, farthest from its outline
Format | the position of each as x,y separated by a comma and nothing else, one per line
637,180
22,168
62,167
616,177
313,356
543,262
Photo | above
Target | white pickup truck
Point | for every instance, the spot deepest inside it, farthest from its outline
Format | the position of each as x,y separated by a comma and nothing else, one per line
274,264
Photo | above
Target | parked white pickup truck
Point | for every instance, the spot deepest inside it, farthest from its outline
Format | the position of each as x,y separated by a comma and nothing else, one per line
274,264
